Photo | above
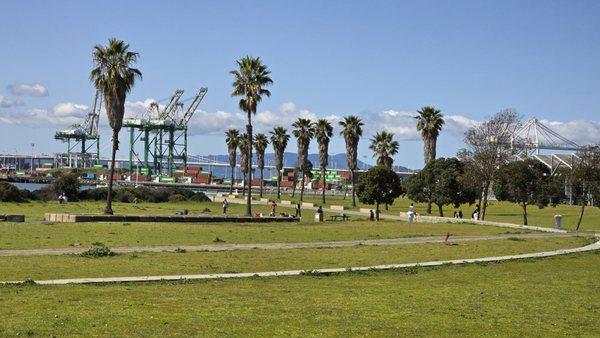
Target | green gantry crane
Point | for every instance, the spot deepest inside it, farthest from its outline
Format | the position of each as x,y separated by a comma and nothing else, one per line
83,141
164,136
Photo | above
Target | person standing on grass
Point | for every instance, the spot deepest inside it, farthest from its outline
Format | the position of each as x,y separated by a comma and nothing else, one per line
371,216
298,210
225,205
273,207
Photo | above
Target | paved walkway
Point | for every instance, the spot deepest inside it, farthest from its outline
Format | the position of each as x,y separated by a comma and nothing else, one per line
276,246
590,247
430,219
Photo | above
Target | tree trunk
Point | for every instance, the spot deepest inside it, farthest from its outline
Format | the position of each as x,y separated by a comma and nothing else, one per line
232,178
249,174
428,205
385,207
353,194
581,214
295,182
524,214
432,148
484,201
441,209
244,185
302,187
115,139
377,211
261,181
323,180
425,151
278,184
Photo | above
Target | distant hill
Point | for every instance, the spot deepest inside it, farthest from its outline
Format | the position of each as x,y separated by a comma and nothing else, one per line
337,161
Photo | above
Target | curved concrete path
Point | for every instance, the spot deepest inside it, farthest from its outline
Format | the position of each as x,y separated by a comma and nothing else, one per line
404,217
277,246
590,247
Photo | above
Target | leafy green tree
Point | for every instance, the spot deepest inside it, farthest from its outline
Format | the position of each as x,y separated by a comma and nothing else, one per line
378,185
66,183
279,140
232,137
352,131
260,145
384,148
523,182
250,80
429,122
323,133
303,131
585,179
441,183
114,77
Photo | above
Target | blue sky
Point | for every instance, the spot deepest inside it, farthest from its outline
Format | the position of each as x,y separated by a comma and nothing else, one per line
382,60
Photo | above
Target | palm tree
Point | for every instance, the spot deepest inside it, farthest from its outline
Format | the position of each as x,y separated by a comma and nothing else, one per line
114,77
352,131
384,148
429,123
279,140
232,138
243,146
249,81
260,145
323,133
304,131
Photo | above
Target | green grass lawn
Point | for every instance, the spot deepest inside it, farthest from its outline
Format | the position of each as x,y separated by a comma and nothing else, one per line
497,211
546,297
140,264
30,235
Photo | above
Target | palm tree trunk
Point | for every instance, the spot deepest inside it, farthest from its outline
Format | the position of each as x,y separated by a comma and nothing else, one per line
302,187
295,182
278,184
232,178
108,209
249,174
261,182
580,214
425,151
244,185
432,148
323,180
353,194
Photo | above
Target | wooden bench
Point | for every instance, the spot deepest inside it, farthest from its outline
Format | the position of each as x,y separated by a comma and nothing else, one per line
339,217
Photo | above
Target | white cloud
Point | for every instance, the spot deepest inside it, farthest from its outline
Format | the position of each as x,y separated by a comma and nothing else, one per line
578,131
68,109
6,103
34,89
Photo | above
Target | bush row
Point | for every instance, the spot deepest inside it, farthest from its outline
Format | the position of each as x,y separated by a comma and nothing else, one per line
10,193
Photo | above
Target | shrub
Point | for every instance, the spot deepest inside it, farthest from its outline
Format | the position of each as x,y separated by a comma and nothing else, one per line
97,250
45,194
67,183
176,198
10,193
199,197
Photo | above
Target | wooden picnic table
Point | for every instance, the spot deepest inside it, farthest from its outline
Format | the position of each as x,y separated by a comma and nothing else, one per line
342,217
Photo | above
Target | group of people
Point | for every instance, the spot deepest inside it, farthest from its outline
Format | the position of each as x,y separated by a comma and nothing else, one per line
273,209
62,198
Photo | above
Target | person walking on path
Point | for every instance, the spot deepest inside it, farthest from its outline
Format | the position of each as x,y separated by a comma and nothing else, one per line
273,206
298,210
225,205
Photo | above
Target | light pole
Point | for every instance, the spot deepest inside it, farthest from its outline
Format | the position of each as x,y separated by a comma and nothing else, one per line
32,166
